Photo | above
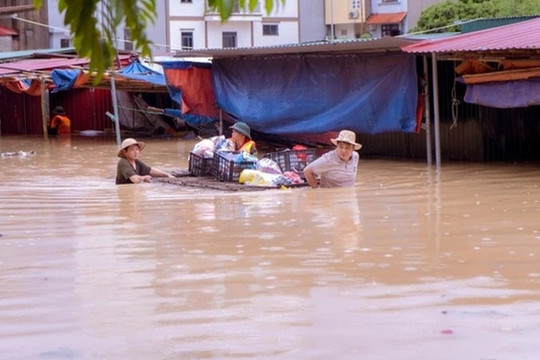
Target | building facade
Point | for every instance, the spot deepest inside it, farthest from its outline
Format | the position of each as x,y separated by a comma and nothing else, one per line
20,27
192,24
350,19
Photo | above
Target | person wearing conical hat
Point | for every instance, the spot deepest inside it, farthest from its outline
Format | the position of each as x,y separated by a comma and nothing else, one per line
131,170
336,168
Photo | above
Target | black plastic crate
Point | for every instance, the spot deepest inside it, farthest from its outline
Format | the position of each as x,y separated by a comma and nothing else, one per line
292,160
226,168
200,166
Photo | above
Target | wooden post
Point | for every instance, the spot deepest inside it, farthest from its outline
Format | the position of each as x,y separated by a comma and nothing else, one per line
44,107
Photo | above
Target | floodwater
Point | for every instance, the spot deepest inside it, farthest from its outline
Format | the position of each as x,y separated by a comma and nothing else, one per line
410,264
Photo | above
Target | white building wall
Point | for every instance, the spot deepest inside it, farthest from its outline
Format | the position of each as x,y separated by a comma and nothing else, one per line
176,8
57,30
243,31
197,27
288,33
378,7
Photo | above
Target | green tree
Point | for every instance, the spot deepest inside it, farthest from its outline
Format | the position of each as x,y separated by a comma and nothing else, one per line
445,16
95,39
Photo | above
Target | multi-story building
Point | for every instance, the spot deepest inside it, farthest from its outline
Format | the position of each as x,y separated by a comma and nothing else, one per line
20,26
349,19
59,35
192,25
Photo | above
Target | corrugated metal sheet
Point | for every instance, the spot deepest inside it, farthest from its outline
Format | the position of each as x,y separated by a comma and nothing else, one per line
518,36
339,46
43,64
481,24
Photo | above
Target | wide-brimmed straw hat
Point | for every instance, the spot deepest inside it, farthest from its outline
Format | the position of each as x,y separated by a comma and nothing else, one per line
348,137
59,110
127,143
242,128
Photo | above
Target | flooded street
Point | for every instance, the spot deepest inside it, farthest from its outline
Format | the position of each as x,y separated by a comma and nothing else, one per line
409,264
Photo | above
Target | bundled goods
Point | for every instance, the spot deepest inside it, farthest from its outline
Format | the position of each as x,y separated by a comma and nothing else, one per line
295,159
227,165
258,178
202,154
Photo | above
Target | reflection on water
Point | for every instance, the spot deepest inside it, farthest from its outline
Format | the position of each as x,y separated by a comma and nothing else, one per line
443,263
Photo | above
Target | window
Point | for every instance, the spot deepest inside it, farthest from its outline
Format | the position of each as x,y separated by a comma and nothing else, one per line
229,39
389,1
186,36
65,43
270,29
186,1
390,30
128,44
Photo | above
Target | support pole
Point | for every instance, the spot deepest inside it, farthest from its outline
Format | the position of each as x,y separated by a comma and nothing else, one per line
44,107
427,112
115,109
436,116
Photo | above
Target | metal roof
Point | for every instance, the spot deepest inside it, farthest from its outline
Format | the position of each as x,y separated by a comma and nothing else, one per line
43,64
384,44
514,39
5,31
386,18
487,23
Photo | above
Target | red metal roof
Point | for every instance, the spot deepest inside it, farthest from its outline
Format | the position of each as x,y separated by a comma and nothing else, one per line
43,64
5,31
386,18
522,35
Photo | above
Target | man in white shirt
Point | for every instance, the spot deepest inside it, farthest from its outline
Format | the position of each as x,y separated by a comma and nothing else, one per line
338,167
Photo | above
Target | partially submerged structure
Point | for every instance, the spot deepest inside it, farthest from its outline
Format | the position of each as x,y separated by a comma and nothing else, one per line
496,72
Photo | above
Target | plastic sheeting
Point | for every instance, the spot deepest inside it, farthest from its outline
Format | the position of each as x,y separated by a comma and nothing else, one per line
138,71
508,94
299,94
190,85
64,79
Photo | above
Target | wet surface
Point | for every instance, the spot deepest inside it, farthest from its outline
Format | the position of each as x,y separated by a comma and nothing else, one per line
409,264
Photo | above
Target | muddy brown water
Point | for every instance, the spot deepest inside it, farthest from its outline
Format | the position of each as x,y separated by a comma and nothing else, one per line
411,263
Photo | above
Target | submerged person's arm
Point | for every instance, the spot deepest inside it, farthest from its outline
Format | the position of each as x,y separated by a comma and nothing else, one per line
160,173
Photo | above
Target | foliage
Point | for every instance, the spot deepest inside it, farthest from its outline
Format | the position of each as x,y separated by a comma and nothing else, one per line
441,17
226,7
93,25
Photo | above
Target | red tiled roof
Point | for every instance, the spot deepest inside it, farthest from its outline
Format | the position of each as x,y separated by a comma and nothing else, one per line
5,31
386,18
522,35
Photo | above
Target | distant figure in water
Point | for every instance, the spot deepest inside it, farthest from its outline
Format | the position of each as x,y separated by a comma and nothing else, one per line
60,123
338,167
131,170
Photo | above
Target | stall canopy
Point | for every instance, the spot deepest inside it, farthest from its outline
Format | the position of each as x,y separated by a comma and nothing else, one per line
504,70
367,85
316,93
190,85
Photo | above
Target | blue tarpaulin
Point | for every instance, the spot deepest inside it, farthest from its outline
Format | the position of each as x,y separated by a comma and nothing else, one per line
309,93
506,94
138,71
64,79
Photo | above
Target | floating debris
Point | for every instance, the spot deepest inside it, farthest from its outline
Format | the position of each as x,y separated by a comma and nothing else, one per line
19,153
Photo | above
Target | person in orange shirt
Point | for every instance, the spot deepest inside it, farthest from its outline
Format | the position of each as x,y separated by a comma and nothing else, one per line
241,137
60,123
